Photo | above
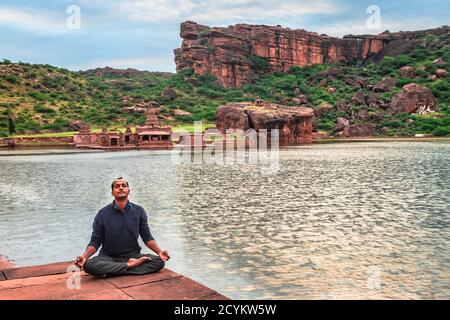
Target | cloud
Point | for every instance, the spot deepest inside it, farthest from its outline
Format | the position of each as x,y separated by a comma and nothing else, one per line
36,21
213,11
140,63
358,26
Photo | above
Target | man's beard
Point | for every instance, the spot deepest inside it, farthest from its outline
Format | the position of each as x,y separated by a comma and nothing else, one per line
121,197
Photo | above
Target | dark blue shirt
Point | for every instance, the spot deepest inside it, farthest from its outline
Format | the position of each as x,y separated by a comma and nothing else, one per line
117,232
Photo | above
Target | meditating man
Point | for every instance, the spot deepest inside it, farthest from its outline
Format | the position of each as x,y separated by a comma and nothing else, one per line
116,229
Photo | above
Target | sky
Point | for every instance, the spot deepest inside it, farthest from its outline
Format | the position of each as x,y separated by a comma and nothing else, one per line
141,34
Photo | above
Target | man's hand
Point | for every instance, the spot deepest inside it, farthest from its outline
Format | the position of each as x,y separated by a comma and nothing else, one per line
164,255
81,260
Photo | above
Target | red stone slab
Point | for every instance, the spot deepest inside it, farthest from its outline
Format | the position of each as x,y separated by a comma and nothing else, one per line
56,290
116,294
36,271
214,296
34,281
129,281
5,263
180,288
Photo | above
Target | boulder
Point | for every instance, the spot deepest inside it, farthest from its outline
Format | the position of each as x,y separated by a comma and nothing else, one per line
407,72
231,117
413,98
179,112
76,125
362,114
356,82
295,124
385,84
439,61
342,106
441,73
358,98
361,130
169,93
341,123
323,110
302,99
373,99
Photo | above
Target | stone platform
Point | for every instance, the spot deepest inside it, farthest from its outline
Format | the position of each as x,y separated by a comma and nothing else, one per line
49,282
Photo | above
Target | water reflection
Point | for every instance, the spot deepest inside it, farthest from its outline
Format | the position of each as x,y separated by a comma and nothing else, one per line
332,220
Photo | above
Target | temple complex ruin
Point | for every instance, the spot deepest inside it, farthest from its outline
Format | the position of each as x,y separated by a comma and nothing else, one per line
149,136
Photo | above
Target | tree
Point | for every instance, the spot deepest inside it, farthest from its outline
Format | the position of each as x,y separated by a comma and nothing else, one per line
11,126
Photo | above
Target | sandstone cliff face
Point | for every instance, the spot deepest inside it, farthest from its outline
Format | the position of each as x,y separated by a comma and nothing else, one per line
238,54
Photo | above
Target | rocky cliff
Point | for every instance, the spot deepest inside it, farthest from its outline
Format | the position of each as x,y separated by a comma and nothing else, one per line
238,54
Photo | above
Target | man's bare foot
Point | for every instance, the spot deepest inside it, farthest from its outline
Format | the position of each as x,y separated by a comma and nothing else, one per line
134,263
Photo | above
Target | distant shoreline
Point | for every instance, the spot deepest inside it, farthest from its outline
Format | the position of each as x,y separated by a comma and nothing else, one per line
39,145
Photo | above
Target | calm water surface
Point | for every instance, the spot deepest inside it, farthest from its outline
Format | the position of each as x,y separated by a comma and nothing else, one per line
348,220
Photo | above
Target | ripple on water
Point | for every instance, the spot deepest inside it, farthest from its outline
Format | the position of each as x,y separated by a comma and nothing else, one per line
353,220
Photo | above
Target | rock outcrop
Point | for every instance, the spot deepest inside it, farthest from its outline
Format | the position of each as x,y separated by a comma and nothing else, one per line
169,93
238,54
413,98
385,84
407,71
361,130
231,116
294,123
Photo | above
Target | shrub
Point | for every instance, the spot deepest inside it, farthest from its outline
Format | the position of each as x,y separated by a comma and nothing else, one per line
259,63
402,81
42,109
13,79
441,131
38,96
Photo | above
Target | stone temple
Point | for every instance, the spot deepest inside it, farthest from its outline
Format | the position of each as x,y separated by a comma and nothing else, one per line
149,136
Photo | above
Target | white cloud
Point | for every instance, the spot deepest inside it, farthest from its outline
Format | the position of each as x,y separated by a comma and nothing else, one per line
140,63
212,11
359,27
36,21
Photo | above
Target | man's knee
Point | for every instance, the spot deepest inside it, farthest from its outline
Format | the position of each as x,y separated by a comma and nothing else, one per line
159,264
90,267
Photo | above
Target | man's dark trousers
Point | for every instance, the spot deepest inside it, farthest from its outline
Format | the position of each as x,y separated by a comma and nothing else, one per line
103,265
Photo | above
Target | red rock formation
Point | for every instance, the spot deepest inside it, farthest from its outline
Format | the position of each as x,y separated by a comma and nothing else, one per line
238,54
413,98
294,123
362,130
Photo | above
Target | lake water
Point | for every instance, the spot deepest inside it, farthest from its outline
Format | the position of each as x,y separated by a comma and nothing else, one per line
346,220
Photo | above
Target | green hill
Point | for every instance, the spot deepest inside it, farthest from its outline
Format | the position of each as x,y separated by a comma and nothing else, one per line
42,98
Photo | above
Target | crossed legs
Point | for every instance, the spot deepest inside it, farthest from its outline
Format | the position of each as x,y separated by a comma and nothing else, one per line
134,264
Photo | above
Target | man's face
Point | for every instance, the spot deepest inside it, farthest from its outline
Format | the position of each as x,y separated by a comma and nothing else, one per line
120,189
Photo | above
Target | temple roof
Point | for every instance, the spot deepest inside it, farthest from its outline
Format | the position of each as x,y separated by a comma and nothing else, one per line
152,119
155,132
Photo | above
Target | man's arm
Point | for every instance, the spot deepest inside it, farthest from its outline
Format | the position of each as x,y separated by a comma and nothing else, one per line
81,260
94,244
150,242
163,254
